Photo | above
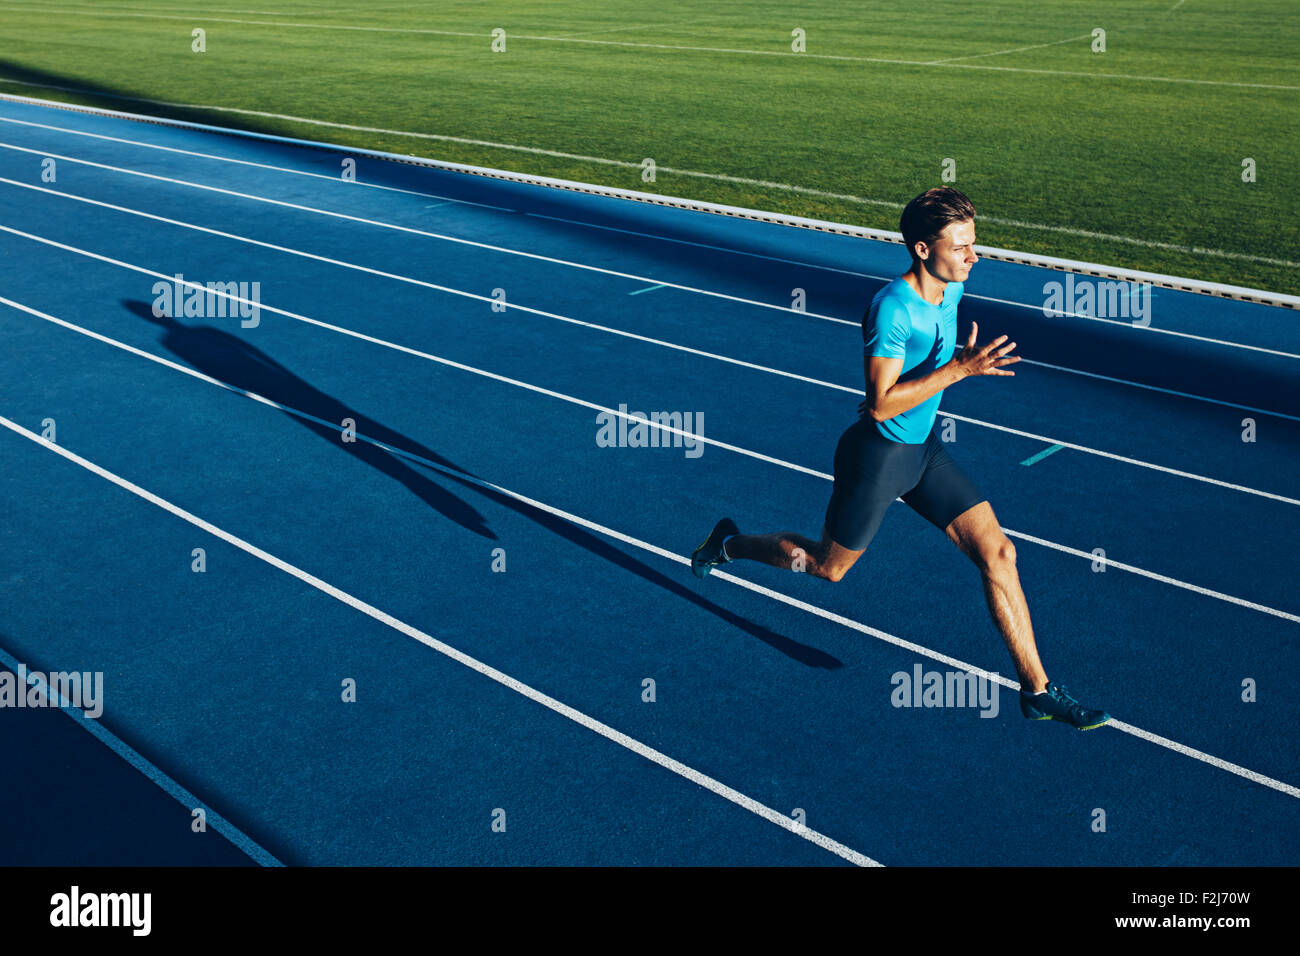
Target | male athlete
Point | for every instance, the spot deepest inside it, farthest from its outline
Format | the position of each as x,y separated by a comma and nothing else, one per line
893,450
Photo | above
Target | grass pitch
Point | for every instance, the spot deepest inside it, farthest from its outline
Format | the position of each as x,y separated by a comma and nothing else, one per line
1132,156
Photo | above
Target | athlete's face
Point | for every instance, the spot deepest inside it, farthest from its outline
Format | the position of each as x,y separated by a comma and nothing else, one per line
953,253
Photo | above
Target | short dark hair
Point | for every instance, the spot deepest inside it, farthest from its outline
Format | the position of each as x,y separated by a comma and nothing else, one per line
926,216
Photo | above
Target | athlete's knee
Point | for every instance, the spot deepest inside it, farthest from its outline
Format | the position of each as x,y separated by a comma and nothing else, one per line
833,573
816,562
996,554
829,570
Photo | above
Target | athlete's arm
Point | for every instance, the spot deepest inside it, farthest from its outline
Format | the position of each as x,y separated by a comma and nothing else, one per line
888,397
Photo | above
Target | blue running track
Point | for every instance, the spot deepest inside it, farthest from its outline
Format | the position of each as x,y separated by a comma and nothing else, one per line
393,471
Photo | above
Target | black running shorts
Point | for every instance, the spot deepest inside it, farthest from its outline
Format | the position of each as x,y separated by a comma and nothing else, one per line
871,471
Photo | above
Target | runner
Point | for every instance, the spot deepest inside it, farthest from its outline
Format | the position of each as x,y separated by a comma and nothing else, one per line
894,451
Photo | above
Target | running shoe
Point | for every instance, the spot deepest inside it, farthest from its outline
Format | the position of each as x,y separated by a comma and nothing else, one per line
1057,704
710,554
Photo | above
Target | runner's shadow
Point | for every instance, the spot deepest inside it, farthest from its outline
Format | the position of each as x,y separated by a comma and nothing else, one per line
230,359
233,360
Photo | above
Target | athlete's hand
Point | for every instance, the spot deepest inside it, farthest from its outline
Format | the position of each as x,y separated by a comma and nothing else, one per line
987,360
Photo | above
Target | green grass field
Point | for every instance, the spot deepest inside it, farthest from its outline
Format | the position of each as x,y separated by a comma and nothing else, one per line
1132,156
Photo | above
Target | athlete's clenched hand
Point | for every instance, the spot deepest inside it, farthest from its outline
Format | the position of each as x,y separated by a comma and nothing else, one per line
987,360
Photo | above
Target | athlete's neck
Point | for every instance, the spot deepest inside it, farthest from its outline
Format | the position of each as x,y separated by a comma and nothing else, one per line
925,285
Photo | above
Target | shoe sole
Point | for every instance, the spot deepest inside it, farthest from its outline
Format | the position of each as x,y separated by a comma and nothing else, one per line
701,570
1100,723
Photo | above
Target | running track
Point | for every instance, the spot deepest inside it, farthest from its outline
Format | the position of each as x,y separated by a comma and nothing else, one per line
521,690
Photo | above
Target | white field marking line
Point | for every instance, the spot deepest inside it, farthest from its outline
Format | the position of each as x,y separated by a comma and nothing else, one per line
758,456
564,710
919,649
1146,243
1177,5
147,768
1019,49
1163,391
411,230
643,26
119,7
93,5
244,162
90,11
803,190
691,49
652,341
564,262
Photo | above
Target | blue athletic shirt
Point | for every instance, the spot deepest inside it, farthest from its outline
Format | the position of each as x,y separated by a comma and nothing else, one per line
901,324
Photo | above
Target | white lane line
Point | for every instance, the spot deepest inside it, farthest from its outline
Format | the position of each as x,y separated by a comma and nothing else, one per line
184,797
373,222
1019,49
758,456
802,190
1128,324
1251,775
244,162
483,37
1122,458
570,263
728,249
919,649
1036,307
450,290
1164,391
659,342
417,353
590,268
1152,575
564,710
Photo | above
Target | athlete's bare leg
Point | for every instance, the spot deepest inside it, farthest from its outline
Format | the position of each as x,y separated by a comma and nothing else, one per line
822,559
977,532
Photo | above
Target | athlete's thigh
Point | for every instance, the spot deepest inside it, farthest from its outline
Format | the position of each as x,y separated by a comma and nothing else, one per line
870,472
944,492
